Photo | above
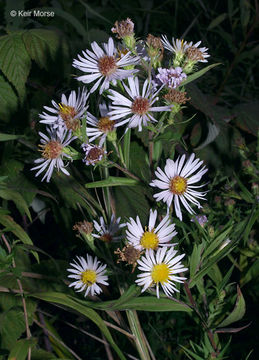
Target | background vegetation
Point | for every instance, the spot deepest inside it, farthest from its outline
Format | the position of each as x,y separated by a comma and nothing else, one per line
36,219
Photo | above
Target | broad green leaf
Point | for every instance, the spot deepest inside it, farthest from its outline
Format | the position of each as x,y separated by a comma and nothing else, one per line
21,348
12,326
7,137
246,116
40,354
195,258
144,303
17,198
68,301
15,62
238,311
8,99
17,230
139,162
198,74
112,181
42,43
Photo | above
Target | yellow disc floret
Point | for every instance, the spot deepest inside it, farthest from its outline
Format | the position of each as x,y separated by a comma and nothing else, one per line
88,277
178,185
160,273
149,240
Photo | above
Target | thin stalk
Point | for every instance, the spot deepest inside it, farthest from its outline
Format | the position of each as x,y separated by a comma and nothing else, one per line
106,191
136,329
28,331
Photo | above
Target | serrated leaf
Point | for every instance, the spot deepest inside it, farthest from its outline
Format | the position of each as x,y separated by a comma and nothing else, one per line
15,62
238,312
8,99
70,302
112,181
42,43
21,348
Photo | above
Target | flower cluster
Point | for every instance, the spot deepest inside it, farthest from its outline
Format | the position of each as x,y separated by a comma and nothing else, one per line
137,84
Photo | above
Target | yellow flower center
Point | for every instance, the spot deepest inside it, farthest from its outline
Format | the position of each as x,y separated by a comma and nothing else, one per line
160,273
105,124
68,114
88,277
51,150
149,240
178,185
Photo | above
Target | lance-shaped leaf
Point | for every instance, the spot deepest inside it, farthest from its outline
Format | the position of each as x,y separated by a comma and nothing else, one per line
238,311
112,181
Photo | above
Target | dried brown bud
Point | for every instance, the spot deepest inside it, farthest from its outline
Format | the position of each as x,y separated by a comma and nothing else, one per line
83,227
128,254
155,46
176,96
123,28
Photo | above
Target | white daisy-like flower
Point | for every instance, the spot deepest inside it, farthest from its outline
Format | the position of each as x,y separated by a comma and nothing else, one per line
52,149
100,127
160,268
104,66
68,112
177,181
93,153
151,237
178,46
138,109
196,54
88,273
106,232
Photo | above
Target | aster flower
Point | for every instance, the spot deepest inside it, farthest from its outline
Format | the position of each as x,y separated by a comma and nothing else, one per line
160,268
93,154
172,78
138,109
196,54
104,66
152,237
106,232
68,112
52,149
178,47
100,127
88,273
177,181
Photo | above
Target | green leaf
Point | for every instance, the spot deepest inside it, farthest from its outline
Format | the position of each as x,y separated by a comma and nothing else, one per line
80,29
17,198
139,162
7,137
8,99
126,147
198,74
21,348
238,312
17,230
15,62
112,181
12,326
218,20
42,43
246,117
70,302
213,131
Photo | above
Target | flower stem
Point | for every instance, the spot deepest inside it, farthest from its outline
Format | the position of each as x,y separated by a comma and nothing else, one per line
140,340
